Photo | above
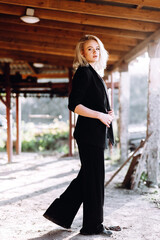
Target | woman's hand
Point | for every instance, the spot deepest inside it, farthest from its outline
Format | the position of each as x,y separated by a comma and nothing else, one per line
111,112
106,118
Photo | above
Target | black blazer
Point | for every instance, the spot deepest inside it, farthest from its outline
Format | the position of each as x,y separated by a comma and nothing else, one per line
88,89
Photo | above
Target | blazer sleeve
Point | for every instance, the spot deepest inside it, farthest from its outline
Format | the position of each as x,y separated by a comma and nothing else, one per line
80,84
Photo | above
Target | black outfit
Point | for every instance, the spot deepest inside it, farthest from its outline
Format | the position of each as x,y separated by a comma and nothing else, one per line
88,187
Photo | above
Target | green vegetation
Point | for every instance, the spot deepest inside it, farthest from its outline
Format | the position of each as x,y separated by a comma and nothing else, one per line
46,141
39,138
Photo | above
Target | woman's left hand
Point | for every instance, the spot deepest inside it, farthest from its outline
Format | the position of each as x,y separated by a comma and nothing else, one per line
111,113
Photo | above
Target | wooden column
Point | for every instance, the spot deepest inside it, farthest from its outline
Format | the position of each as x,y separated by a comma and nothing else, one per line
8,112
153,117
124,96
18,124
112,92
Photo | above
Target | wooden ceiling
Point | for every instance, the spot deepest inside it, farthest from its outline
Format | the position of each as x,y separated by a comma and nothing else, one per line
124,26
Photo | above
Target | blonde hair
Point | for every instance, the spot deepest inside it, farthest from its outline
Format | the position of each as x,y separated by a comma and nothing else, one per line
80,60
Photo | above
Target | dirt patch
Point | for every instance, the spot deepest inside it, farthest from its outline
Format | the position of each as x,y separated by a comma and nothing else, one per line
33,181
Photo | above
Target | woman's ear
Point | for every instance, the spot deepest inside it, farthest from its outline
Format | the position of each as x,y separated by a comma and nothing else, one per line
82,52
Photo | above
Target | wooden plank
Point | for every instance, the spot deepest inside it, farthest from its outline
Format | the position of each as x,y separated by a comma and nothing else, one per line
29,29
147,3
127,182
39,85
142,47
9,35
42,58
37,57
133,154
44,50
49,75
37,49
37,41
73,27
3,101
91,8
85,19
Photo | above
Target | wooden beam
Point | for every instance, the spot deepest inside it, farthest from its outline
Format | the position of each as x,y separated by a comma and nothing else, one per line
44,49
45,75
109,43
139,49
9,35
132,155
3,101
146,3
37,57
37,49
139,6
32,87
41,58
87,19
50,85
72,27
89,8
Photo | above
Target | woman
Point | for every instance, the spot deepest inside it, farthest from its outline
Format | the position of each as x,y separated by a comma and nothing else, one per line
88,98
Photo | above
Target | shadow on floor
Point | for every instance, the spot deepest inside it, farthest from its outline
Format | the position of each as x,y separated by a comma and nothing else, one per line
59,234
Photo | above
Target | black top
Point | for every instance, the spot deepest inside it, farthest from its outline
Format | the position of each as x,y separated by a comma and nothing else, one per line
88,89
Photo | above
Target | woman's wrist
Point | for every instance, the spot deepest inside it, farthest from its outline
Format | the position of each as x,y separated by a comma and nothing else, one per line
99,115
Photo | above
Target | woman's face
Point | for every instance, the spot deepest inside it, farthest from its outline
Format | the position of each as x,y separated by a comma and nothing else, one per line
91,51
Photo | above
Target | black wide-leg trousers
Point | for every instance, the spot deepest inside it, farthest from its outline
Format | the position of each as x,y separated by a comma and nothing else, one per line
86,188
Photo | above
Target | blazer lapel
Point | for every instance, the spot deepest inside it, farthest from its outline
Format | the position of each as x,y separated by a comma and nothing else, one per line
104,85
109,132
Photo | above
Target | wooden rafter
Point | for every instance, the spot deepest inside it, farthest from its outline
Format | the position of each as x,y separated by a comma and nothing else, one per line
60,51
56,37
94,9
146,3
44,75
103,21
122,27
36,57
72,27
110,43
138,49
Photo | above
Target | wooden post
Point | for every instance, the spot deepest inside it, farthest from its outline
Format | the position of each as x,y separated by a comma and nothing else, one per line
8,113
18,124
153,118
112,92
124,96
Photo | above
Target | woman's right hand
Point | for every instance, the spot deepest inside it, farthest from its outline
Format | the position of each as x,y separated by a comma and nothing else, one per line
105,118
